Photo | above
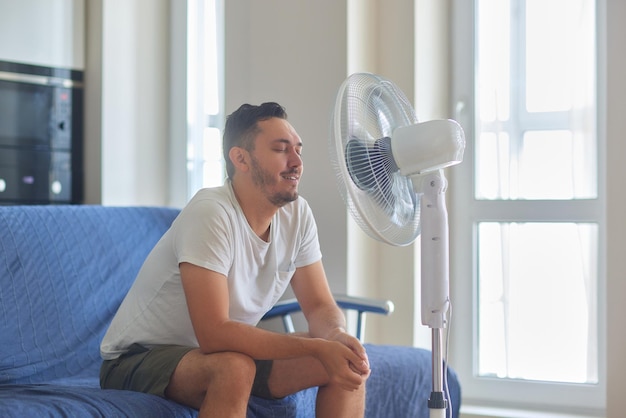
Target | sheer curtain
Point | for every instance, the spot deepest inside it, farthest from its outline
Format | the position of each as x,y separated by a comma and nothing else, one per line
537,150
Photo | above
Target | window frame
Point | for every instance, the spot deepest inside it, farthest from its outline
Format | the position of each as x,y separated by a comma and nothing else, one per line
467,211
198,119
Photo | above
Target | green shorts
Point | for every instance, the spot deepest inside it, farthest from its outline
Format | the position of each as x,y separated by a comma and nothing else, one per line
149,370
141,369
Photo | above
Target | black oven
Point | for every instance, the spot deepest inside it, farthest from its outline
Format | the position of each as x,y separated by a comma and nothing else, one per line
41,134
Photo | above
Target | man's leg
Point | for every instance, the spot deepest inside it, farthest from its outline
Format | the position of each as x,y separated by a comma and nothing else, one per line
337,402
218,385
290,376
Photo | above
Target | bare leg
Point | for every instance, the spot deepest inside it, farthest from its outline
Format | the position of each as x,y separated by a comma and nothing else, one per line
336,402
290,376
218,385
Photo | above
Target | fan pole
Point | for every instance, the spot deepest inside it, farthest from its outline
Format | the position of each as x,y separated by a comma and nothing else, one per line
435,276
437,403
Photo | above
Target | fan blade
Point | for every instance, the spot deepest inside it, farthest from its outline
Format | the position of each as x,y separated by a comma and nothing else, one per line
370,167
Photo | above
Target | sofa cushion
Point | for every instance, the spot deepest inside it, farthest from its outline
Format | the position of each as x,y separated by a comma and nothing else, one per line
63,273
56,400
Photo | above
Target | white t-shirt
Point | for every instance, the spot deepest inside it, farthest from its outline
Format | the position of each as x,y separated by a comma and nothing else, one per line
212,232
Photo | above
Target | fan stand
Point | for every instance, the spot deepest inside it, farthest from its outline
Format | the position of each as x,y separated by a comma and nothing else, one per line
377,140
435,276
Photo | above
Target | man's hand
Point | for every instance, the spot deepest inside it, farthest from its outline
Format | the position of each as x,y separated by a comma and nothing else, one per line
362,367
345,368
342,355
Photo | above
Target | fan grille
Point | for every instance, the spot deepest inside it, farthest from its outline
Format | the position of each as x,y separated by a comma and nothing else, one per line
382,201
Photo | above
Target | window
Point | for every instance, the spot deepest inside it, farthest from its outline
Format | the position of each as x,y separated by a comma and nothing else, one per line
528,204
205,94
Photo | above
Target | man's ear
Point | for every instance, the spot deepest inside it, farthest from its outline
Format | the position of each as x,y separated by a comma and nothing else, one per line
239,157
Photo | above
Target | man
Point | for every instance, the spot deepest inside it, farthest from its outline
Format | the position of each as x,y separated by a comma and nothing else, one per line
186,330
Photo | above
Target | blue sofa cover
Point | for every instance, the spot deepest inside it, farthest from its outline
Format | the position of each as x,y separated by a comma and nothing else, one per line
64,270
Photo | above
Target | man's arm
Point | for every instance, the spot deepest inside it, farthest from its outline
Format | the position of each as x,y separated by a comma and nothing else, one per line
323,316
206,293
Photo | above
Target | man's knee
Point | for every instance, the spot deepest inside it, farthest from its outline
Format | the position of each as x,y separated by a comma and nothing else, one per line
226,377
234,369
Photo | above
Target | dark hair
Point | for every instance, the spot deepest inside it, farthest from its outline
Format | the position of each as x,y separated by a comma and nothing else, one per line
241,128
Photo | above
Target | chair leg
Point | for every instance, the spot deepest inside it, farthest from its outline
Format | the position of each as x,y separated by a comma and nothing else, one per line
360,326
288,323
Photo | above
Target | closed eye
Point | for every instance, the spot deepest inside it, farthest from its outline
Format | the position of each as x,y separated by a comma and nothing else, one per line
284,145
286,149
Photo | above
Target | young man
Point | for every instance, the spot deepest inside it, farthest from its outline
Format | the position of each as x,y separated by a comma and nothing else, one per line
186,330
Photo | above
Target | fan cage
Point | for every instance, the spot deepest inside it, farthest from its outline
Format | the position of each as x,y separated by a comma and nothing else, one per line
383,202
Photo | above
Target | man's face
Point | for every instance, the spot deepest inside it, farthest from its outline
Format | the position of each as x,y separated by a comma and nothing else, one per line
276,162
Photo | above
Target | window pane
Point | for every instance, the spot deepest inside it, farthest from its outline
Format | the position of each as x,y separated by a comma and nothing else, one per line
555,164
537,301
554,56
536,137
211,90
213,165
204,105
492,166
494,59
547,165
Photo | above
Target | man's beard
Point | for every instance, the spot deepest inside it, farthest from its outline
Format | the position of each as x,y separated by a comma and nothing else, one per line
264,180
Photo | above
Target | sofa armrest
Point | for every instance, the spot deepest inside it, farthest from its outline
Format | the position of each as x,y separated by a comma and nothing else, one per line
361,305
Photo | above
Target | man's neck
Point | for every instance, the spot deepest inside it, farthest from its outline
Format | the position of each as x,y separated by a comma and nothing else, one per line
256,208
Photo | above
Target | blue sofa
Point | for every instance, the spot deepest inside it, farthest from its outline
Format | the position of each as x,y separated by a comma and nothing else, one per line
63,272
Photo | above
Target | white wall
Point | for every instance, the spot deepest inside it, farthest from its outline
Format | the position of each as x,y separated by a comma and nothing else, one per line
127,132
135,118
92,153
294,53
43,32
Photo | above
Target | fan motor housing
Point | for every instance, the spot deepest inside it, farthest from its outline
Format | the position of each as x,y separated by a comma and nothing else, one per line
427,146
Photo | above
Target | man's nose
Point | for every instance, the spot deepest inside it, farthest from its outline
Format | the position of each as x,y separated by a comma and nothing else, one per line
295,159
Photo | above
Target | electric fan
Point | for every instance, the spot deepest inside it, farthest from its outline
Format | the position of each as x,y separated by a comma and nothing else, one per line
389,172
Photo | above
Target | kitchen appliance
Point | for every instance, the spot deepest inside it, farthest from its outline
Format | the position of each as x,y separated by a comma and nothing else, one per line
41,134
